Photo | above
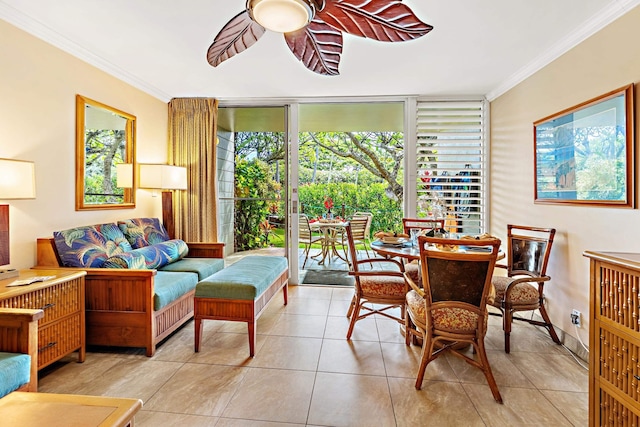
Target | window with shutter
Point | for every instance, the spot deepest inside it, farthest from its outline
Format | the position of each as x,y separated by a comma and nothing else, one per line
451,163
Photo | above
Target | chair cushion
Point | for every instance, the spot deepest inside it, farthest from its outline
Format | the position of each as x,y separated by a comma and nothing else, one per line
90,246
245,279
522,293
15,371
383,286
203,267
141,232
149,257
456,320
169,286
415,304
414,272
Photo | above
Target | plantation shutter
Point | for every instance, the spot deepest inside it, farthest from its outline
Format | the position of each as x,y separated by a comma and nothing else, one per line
451,163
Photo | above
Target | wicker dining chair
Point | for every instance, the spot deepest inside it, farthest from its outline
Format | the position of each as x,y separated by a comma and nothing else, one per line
413,269
306,237
376,291
421,223
451,306
522,289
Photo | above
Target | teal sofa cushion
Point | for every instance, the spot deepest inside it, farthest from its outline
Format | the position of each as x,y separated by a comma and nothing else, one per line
143,232
246,279
169,286
149,257
15,371
90,246
203,267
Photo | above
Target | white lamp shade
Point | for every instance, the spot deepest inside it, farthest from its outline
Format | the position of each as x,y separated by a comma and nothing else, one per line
17,179
124,175
165,177
283,16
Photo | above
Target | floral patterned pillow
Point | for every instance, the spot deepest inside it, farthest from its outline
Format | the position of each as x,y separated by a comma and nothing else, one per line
149,257
143,232
89,246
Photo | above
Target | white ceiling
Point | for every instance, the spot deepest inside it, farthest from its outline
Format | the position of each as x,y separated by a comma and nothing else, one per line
476,47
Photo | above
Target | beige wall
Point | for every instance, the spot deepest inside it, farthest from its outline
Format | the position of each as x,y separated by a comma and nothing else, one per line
38,85
606,61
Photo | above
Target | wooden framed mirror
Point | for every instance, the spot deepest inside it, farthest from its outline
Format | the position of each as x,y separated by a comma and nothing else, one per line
105,137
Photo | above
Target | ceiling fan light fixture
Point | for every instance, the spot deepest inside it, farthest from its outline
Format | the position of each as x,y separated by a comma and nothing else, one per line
282,16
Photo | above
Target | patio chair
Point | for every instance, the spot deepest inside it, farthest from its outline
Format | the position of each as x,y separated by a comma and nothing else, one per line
376,291
359,226
367,231
306,237
528,250
451,307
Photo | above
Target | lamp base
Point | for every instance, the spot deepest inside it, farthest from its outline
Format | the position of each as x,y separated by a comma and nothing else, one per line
7,274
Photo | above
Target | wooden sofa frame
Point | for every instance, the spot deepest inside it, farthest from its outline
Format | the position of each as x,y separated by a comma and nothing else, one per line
19,334
119,302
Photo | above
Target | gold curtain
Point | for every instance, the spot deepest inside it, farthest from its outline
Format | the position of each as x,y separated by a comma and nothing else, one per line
192,143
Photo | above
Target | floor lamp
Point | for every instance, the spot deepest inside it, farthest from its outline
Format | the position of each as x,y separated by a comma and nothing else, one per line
17,181
165,178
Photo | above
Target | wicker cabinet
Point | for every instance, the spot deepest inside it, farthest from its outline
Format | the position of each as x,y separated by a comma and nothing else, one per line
614,339
61,330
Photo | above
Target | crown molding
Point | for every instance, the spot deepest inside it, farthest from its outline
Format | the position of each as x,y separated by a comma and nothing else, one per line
41,31
603,18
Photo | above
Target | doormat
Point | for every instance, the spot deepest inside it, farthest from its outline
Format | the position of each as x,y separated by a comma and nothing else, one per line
328,277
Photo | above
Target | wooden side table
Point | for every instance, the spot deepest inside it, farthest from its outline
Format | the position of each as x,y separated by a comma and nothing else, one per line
67,410
61,330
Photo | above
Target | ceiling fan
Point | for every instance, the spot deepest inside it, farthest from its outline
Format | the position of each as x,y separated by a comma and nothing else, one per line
313,28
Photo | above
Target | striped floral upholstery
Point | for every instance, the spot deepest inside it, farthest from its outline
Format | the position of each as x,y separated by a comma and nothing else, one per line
383,286
445,319
522,293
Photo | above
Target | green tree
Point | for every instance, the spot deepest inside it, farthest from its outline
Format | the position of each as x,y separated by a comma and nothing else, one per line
103,150
380,153
254,186
328,155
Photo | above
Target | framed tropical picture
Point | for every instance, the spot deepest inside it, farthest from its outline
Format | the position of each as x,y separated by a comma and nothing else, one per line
584,155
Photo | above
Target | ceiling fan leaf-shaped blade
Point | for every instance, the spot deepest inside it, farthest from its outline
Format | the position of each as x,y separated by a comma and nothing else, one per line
236,36
383,20
318,46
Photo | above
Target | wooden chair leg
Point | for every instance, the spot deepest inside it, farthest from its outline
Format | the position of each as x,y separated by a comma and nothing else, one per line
354,316
507,318
486,369
407,331
351,306
549,325
424,359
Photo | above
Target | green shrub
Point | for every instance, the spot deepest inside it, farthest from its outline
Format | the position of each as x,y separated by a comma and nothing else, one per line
349,198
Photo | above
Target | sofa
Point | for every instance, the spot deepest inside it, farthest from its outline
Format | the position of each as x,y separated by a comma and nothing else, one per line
140,283
19,349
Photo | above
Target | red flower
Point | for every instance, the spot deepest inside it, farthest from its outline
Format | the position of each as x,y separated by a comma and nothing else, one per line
328,202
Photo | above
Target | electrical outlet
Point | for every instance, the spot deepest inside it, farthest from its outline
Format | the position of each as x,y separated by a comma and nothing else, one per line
575,318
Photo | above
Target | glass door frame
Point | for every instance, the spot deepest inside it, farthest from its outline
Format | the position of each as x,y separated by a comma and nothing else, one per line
291,138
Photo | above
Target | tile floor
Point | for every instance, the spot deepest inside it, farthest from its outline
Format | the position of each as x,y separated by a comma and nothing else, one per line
306,373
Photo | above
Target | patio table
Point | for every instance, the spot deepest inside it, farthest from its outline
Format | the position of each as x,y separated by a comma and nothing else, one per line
331,230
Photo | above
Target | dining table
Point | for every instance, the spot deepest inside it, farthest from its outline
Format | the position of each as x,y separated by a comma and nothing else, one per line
403,248
409,253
